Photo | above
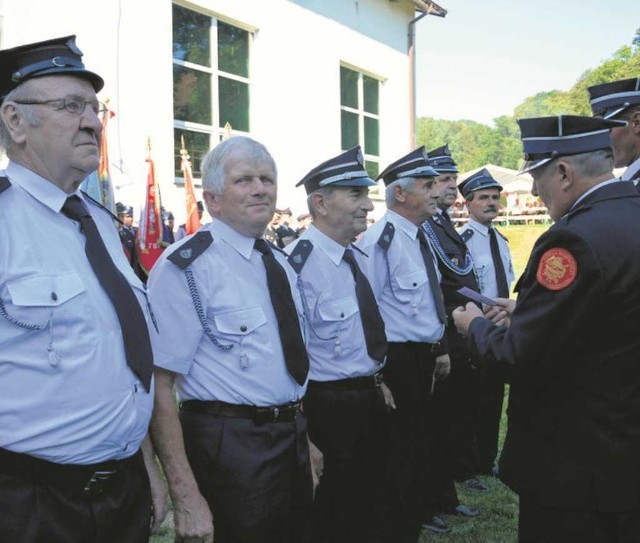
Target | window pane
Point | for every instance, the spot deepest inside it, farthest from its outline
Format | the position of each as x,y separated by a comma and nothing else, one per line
348,88
371,138
191,95
349,129
197,145
233,104
371,89
191,36
233,50
373,168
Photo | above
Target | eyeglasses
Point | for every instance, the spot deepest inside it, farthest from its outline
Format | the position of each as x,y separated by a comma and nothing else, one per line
75,105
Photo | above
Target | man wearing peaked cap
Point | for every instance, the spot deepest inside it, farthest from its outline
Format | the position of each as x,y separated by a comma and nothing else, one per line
76,392
406,283
621,100
458,397
492,261
347,400
571,347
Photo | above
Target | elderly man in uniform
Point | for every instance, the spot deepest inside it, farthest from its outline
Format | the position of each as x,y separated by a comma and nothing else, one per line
494,271
459,396
345,400
403,275
620,100
237,456
75,355
572,451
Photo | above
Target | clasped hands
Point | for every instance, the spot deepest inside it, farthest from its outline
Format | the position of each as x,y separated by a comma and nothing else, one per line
499,314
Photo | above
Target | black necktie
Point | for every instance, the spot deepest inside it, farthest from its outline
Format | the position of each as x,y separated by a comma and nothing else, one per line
295,353
135,333
501,276
372,322
433,277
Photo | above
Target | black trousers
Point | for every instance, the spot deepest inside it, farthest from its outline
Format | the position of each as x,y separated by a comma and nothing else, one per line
489,415
47,503
539,524
408,373
347,423
256,477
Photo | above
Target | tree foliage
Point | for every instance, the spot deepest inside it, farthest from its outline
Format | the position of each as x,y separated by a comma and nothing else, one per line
475,144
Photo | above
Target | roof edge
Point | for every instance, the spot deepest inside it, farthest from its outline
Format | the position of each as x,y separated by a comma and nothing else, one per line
430,8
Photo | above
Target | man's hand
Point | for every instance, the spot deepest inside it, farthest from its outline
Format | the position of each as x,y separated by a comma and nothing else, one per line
193,520
462,316
159,491
317,464
442,368
388,396
500,314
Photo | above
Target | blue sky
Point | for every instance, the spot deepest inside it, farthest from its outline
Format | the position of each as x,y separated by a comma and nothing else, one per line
486,57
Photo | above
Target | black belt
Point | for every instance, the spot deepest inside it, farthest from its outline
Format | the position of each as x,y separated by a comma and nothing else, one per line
353,383
277,413
89,479
430,347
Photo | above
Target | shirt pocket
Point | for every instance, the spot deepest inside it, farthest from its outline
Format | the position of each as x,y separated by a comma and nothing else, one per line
31,301
335,323
237,323
410,285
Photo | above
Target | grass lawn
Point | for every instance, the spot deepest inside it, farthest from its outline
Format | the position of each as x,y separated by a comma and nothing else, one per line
498,520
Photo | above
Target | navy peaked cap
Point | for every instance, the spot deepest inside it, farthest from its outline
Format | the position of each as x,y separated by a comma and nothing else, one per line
59,56
546,138
442,161
415,164
611,99
478,181
345,170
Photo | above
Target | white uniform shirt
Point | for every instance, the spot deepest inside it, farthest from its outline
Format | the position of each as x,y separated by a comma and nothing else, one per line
335,336
400,283
232,286
66,392
479,245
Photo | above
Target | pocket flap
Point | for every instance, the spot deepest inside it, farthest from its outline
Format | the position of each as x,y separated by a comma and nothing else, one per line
45,290
412,280
338,309
240,321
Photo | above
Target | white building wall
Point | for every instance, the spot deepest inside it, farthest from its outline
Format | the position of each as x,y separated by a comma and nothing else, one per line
295,95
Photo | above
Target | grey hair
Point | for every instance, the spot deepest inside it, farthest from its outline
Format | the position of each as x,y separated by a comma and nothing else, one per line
215,162
324,191
586,165
404,183
29,112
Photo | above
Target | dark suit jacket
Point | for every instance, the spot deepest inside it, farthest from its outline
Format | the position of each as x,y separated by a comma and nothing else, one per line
573,438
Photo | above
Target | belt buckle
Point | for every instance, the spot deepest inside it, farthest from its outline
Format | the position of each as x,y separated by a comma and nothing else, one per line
377,379
435,346
93,485
275,413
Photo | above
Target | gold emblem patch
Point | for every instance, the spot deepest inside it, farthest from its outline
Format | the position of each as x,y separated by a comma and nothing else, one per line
557,269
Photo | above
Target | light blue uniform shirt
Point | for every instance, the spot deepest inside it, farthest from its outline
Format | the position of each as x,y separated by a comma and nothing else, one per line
335,337
400,282
479,245
66,392
232,286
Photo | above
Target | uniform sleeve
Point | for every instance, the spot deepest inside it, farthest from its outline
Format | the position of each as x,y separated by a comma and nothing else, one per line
180,330
558,304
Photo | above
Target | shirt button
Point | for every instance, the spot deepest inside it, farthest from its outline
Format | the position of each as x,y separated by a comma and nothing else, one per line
243,328
415,284
54,296
342,315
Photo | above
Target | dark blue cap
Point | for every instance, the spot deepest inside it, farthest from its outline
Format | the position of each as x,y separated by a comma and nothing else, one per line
546,138
415,164
442,161
345,170
120,208
128,211
611,99
478,181
170,216
59,56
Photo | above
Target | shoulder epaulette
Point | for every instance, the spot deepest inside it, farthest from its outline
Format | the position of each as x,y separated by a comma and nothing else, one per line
386,237
192,249
300,254
4,184
98,204
467,234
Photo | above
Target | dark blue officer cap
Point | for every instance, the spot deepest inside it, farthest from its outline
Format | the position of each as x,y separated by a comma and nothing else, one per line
611,99
442,161
547,138
120,208
128,211
345,170
170,216
59,56
478,181
415,164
